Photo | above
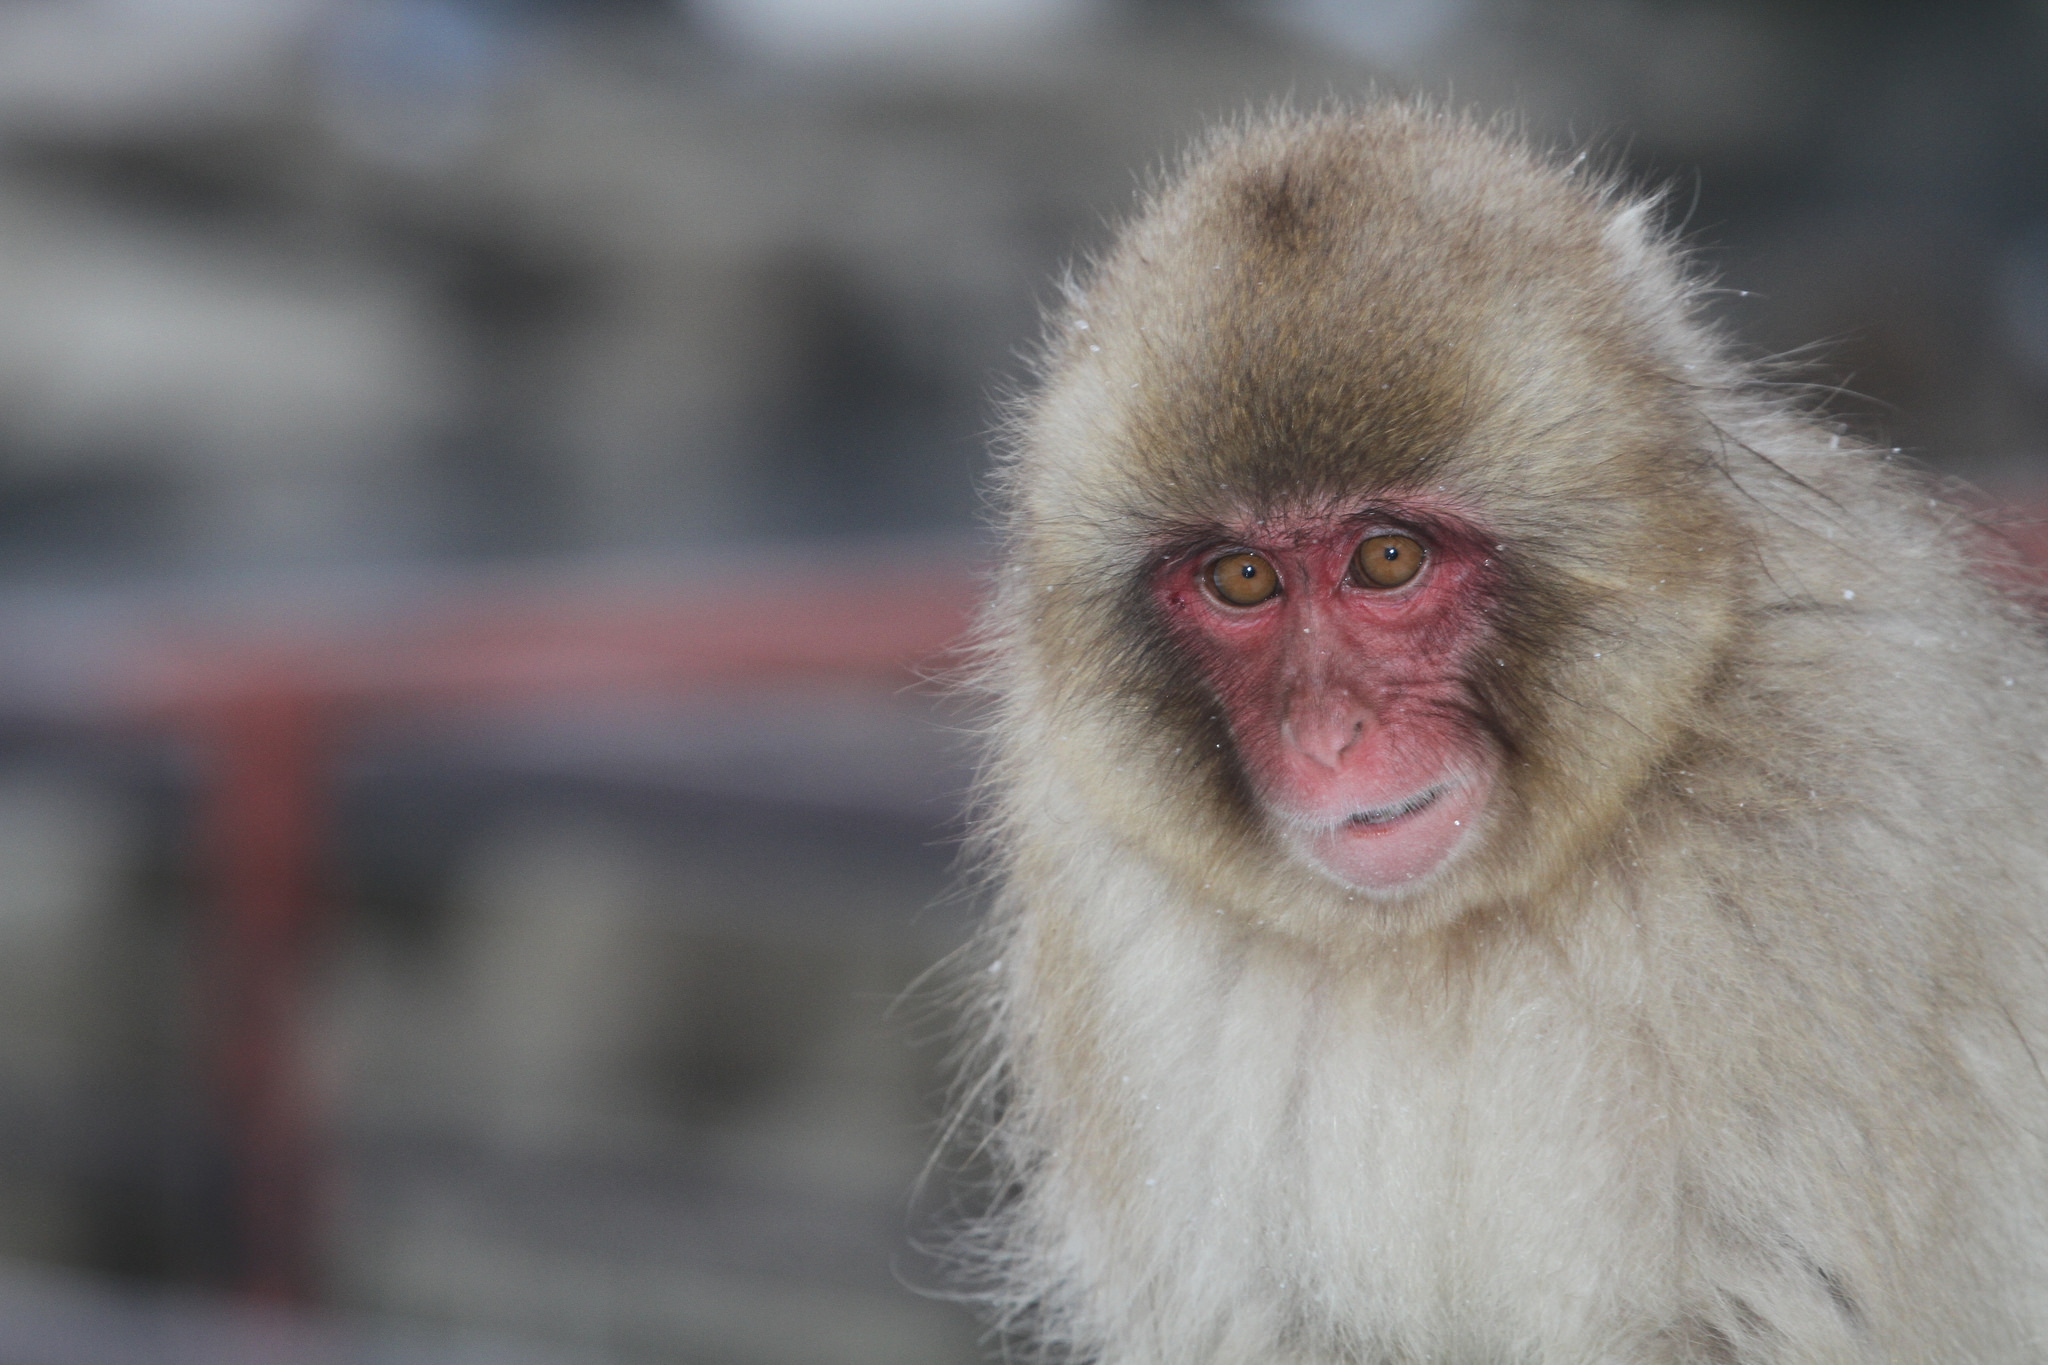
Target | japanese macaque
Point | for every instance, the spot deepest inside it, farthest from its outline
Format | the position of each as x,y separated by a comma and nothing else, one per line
1516,843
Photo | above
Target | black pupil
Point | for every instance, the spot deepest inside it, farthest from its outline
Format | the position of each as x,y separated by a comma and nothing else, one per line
1390,553
1248,571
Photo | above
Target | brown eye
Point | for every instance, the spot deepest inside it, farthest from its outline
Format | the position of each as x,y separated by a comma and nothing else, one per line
1244,580
1386,562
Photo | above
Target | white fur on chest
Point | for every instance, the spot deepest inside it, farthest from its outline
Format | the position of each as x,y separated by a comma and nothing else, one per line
1374,1174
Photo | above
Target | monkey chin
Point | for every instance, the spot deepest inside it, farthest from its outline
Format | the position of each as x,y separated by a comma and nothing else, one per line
1391,849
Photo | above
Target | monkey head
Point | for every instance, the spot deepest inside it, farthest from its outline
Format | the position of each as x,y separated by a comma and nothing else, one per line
1371,547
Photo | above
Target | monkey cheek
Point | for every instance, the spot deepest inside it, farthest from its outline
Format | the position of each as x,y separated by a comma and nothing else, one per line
1387,856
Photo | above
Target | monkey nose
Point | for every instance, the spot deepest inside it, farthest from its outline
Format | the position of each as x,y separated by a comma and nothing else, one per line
1323,735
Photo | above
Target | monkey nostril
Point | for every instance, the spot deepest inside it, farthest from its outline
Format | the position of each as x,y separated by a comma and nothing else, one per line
1324,740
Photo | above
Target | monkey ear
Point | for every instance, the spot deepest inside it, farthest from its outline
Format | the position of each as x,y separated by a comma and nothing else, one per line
1632,239
1653,277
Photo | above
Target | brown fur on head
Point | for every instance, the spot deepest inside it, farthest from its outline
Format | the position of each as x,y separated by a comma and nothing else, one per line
1332,308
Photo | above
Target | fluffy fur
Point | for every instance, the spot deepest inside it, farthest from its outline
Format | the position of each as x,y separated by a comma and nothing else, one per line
1723,1047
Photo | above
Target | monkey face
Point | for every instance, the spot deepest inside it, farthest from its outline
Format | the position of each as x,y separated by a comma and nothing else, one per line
1337,647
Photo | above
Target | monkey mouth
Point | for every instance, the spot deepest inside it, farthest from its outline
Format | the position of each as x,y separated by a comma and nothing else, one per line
1380,816
1388,849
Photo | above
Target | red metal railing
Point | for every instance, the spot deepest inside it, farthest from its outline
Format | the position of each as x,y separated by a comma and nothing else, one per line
270,704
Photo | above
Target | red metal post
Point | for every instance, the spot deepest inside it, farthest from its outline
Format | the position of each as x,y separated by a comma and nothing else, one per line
263,811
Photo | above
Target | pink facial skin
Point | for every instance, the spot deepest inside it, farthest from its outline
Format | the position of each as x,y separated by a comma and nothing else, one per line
1344,699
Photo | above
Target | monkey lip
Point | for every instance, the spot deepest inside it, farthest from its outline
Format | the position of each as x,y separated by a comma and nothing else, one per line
1393,847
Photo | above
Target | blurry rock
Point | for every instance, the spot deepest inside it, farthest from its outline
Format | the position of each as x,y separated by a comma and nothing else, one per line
278,397
67,850
144,66
559,953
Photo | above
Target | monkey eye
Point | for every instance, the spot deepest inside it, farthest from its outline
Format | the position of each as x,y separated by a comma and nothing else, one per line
1386,561
1244,579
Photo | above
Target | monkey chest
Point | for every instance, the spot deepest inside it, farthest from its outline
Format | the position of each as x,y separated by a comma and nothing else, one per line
1372,1182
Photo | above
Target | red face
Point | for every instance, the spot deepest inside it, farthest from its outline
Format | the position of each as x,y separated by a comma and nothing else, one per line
1336,646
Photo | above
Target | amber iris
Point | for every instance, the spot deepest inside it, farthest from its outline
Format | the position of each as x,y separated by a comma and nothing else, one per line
1386,561
1244,579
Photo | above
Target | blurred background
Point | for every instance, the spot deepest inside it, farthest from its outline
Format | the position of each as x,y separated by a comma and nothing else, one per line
484,485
